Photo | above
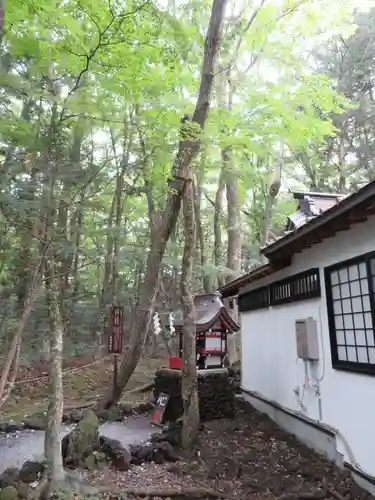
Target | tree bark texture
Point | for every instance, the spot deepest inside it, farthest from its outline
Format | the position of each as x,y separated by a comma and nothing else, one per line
190,423
206,281
52,442
187,151
273,191
16,342
67,225
54,472
234,216
218,258
230,178
33,293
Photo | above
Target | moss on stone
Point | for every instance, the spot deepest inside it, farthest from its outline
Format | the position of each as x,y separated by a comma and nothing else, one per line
90,463
83,440
37,421
9,493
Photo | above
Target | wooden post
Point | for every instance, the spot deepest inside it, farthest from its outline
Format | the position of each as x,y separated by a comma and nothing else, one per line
115,371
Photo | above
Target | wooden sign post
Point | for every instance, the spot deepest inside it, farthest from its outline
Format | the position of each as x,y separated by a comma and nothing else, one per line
115,338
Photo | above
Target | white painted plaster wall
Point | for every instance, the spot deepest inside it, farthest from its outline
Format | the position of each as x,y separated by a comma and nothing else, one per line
269,364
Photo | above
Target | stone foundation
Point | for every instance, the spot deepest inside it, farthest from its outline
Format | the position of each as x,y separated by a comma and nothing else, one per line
216,396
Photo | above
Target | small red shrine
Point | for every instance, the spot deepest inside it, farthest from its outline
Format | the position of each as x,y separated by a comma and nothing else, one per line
213,324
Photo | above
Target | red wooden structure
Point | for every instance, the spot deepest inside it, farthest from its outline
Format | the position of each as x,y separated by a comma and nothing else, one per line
213,324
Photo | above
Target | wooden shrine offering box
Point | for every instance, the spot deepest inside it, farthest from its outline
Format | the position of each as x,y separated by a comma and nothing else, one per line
213,325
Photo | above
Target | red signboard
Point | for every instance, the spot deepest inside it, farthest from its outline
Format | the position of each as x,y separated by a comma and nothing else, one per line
116,330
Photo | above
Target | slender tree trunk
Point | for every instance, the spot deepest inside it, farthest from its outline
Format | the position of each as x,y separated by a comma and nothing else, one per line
273,191
2,20
218,258
17,339
77,230
67,236
234,237
116,240
234,216
119,205
341,165
52,443
187,152
54,472
206,281
108,266
189,370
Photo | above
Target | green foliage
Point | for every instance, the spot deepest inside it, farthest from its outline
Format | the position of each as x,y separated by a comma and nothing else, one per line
92,93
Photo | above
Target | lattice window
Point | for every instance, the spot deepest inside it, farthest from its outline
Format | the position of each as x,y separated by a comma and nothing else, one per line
350,303
301,286
256,299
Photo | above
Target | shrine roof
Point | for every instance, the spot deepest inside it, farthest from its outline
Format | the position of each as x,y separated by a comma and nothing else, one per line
209,309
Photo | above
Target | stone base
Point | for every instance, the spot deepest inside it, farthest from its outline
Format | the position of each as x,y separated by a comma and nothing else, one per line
216,396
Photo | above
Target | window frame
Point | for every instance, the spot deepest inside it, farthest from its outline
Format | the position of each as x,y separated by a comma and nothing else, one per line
338,364
275,293
297,290
245,303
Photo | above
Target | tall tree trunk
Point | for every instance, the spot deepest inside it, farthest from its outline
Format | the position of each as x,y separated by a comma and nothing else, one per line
108,266
2,20
190,401
52,444
206,281
33,293
273,191
54,472
119,204
104,298
234,239
67,235
234,216
218,258
77,230
188,149
233,210
341,165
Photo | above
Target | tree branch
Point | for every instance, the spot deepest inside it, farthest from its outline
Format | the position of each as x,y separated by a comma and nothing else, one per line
101,43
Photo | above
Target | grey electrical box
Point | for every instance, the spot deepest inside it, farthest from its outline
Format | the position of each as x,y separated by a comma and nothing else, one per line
307,339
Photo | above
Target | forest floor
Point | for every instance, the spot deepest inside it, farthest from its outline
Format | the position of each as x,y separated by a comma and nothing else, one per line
84,380
246,458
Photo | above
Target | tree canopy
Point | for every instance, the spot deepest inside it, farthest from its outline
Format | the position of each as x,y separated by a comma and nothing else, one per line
92,97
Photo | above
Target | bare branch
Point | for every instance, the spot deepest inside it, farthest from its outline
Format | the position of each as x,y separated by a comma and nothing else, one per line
101,43
245,30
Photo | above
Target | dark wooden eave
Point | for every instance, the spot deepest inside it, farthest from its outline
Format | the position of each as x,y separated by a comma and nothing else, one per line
351,210
232,288
209,309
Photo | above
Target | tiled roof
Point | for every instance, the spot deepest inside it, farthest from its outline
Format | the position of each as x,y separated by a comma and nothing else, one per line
319,216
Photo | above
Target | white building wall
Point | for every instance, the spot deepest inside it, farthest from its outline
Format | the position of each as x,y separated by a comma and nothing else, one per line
269,355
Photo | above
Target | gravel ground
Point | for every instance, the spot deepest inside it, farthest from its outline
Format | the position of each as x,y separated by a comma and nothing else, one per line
246,458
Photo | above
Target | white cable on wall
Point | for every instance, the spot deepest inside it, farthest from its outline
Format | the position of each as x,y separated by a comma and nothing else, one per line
319,379
334,430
